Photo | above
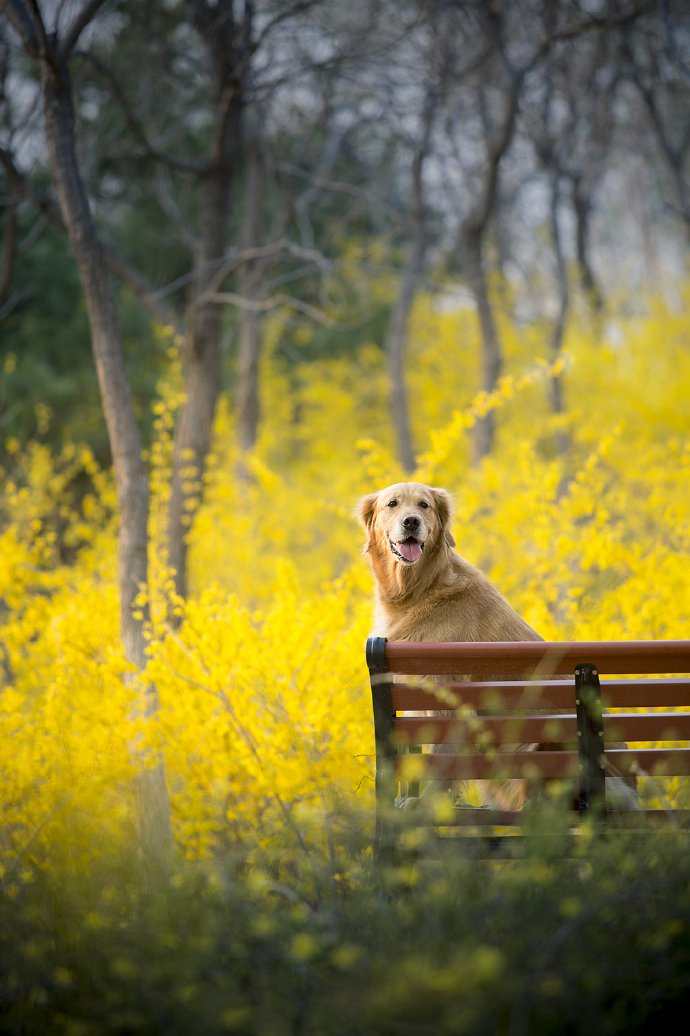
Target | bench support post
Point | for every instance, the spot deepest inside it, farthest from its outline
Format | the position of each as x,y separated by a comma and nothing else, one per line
382,700
590,738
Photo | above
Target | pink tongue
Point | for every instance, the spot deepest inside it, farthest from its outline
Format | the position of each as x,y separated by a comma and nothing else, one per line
409,549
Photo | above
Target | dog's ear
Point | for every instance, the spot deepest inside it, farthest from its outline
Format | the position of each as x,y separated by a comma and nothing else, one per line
444,509
366,508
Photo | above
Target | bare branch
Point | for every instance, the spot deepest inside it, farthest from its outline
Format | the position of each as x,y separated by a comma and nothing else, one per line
20,18
135,126
580,28
273,302
80,21
337,186
43,47
41,199
248,255
151,299
47,204
15,299
164,199
672,43
288,11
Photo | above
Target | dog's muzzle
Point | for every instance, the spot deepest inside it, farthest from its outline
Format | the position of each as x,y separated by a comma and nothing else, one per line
408,548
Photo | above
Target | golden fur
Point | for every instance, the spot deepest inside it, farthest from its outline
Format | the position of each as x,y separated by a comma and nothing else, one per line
440,596
426,591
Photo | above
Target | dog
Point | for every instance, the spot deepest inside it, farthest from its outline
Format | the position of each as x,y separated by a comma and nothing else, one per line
425,591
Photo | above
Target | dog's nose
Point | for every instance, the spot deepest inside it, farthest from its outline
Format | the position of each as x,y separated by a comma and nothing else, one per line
410,523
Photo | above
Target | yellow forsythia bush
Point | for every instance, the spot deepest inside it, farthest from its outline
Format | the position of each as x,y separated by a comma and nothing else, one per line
265,717
263,711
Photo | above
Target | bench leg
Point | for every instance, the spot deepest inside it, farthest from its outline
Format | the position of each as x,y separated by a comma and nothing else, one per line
385,749
590,739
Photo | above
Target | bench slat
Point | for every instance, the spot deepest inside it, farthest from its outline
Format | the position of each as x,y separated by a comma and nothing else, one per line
554,658
634,726
481,767
479,816
647,726
673,762
511,694
646,694
502,729
558,763
553,694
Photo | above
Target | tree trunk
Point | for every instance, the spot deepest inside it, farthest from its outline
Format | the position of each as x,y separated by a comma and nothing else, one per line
130,472
203,356
399,324
396,344
473,235
194,427
582,209
249,278
248,370
228,44
8,251
491,353
558,330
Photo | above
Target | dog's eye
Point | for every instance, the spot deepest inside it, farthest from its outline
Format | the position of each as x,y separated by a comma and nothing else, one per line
392,503
423,503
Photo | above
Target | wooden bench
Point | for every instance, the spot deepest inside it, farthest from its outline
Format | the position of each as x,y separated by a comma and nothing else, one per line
549,695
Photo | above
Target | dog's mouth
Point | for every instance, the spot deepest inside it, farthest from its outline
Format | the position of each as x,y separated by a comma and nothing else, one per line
408,551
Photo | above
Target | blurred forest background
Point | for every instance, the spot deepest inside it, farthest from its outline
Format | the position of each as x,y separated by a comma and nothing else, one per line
259,257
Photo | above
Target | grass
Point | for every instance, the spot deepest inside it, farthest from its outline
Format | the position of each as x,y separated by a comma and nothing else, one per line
591,935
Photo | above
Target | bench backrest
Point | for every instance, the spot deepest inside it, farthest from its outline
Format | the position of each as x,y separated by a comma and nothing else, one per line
479,701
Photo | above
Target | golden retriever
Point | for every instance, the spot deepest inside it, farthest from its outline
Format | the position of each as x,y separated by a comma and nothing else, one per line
426,592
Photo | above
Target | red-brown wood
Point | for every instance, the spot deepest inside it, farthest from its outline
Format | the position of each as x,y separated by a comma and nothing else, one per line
512,694
647,726
481,817
502,765
500,729
656,762
633,726
519,707
552,659
475,766
628,693
646,694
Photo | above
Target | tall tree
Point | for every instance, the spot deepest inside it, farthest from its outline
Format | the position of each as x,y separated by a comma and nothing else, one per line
226,29
496,97
411,277
52,51
661,75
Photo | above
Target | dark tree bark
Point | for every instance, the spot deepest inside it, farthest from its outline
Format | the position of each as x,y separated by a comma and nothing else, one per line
676,154
436,61
228,44
396,347
8,251
491,349
249,282
582,207
473,246
398,327
559,326
52,57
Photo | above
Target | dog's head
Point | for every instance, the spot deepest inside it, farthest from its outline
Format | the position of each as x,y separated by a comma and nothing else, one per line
406,521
